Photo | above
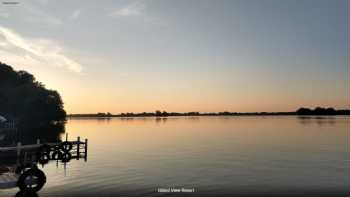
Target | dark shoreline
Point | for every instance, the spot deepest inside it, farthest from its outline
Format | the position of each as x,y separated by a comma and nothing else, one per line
176,115
318,111
201,115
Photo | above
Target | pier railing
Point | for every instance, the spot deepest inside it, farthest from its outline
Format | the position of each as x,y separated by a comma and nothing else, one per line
21,163
29,153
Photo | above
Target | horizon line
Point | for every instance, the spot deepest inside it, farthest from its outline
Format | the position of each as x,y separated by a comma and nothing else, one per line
208,112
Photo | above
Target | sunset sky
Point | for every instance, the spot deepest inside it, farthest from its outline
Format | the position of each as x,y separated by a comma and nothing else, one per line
183,55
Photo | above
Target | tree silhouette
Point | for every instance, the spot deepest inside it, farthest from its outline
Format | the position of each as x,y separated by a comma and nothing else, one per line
158,113
317,111
27,101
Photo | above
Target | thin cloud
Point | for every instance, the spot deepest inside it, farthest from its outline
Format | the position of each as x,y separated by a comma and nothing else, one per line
135,9
36,14
43,2
4,15
43,51
75,14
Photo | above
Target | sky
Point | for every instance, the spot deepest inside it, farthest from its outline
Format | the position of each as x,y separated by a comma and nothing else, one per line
182,55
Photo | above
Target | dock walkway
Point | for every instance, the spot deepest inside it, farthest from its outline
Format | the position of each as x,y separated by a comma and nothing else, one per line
17,157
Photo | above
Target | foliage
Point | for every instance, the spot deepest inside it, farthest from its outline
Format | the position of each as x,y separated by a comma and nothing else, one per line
319,111
26,100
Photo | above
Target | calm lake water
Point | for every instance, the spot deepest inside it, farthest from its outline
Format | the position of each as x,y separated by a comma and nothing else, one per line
212,155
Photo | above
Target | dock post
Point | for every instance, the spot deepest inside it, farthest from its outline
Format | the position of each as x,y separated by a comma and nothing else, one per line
19,149
18,152
38,141
66,137
86,147
78,148
25,157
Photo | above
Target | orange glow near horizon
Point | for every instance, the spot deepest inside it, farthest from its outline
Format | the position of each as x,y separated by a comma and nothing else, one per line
82,95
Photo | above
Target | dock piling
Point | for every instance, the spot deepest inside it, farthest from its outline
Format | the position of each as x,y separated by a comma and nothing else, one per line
78,148
19,149
86,147
28,152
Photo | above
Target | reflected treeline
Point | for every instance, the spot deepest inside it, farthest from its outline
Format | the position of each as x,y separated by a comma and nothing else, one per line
29,135
46,133
157,120
161,120
319,120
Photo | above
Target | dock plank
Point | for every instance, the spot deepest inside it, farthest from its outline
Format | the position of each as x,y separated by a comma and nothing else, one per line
31,146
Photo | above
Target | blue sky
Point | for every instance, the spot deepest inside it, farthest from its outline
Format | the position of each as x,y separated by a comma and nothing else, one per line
183,55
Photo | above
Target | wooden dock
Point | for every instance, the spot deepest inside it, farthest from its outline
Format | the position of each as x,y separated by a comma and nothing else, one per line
79,148
16,160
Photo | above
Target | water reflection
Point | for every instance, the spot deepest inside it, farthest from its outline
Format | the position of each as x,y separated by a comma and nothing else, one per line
23,172
46,134
23,149
319,120
161,120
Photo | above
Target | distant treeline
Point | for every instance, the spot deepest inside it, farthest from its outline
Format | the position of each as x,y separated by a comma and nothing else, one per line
322,111
301,111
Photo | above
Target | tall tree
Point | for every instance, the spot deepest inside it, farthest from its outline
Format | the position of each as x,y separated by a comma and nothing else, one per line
28,101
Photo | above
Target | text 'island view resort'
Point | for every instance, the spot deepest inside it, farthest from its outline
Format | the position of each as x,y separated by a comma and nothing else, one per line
168,98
